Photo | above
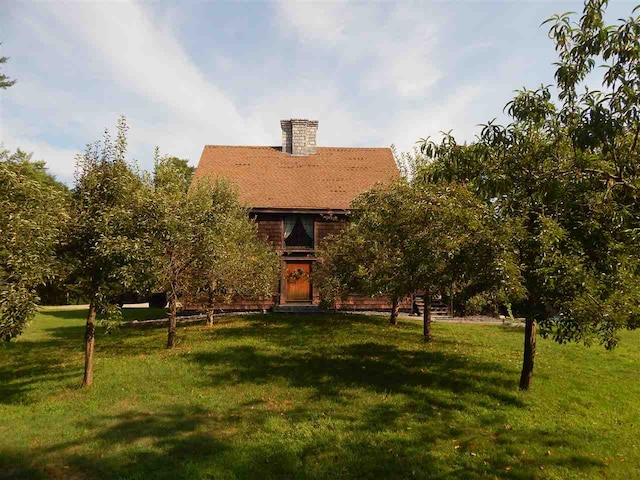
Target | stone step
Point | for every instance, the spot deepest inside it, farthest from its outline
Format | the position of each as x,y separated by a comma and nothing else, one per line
438,308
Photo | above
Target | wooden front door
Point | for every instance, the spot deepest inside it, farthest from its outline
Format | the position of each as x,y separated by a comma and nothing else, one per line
298,283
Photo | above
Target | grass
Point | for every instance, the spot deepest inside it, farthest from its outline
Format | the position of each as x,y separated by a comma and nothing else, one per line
329,396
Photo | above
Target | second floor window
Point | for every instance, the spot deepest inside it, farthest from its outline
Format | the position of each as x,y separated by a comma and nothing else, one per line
298,231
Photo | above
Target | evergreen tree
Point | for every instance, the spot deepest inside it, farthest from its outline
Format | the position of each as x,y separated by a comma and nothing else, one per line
5,81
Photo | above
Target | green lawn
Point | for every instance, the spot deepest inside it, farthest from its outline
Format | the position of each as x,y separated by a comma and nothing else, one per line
331,396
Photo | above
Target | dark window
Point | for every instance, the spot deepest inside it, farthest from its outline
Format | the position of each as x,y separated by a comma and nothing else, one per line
298,231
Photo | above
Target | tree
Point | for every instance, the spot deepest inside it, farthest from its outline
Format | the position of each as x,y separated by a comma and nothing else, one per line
365,257
175,232
567,176
230,261
452,239
107,246
32,215
419,236
207,247
23,163
181,167
5,82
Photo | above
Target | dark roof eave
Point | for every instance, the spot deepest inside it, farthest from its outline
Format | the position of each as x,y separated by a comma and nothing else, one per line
325,211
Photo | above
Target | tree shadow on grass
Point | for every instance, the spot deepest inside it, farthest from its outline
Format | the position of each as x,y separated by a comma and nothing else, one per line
370,366
20,465
193,442
58,357
28,365
373,410
74,333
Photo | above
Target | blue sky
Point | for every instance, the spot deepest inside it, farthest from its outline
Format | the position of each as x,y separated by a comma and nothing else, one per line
189,73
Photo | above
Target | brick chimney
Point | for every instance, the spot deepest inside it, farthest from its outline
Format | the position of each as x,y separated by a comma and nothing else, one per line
299,136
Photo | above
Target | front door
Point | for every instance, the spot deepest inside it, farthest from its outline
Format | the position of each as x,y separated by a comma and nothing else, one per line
298,283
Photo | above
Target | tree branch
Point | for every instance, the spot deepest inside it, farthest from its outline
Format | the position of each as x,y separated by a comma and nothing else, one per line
609,176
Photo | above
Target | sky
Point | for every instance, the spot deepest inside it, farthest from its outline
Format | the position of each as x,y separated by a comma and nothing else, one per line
193,73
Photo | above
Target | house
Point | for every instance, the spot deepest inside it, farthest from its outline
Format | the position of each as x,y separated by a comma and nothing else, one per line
299,193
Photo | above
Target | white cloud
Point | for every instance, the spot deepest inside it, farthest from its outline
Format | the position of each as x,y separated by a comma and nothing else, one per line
398,44
370,73
327,24
147,60
167,99
338,126
409,126
462,108
398,53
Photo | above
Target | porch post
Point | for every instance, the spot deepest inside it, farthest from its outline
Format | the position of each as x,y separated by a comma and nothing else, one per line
283,282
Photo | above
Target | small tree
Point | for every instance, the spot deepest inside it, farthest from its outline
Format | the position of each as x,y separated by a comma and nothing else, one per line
451,239
107,246
23,163
175,232
230,261
366,256
418,236
32,215
180,166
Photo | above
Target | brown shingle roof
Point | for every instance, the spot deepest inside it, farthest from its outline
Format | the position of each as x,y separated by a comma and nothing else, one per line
268,178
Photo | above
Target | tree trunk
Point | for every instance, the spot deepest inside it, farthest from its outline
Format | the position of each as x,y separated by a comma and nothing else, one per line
529,354
210,305
171,338
395,307
89,342
451,303
426,316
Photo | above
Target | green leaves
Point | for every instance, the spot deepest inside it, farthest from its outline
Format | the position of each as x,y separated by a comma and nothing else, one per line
231,260
206,246
564,181
107,241
33,209
419,236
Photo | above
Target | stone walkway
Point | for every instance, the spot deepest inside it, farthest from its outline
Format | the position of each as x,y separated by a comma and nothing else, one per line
475,319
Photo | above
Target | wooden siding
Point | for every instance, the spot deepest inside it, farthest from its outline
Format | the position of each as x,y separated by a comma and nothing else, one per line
363,302
237,305
351,303
323,228
270,229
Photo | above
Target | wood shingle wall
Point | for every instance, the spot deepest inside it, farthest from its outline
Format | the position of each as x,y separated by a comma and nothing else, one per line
270,229
323,228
